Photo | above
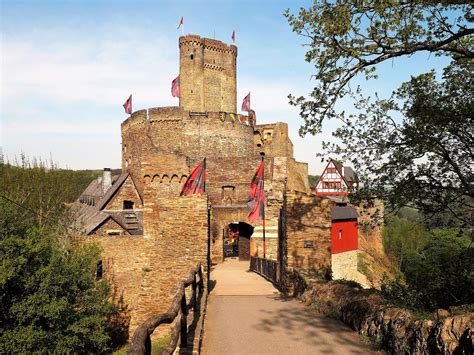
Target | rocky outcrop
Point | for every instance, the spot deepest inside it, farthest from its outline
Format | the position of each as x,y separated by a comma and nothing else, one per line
394,329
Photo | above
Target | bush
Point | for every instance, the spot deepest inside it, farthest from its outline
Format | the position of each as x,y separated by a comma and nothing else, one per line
50,299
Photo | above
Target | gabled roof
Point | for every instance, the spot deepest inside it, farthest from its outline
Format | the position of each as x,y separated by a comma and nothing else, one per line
92,216
111,192
346,172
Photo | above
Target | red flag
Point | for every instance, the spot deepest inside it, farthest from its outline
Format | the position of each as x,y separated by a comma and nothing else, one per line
233,36
128,105
181,22
246,103
256,200
175,88
197,180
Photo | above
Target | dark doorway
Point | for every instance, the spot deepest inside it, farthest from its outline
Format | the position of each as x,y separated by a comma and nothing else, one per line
237,240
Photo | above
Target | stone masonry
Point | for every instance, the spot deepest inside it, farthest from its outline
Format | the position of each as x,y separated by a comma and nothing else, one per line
160,148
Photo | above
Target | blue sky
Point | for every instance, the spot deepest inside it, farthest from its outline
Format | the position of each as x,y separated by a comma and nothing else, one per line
68,66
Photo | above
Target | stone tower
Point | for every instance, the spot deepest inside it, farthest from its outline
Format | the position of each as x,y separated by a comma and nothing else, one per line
208,75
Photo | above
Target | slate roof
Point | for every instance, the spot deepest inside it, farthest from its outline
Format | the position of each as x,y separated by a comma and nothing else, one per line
89,207
343,212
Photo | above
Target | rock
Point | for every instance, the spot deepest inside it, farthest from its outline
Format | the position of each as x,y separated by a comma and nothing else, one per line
442,313
394,329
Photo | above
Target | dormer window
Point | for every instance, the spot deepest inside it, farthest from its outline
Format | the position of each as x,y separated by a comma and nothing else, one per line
127,205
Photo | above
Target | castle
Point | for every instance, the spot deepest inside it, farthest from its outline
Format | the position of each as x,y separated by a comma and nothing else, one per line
151,236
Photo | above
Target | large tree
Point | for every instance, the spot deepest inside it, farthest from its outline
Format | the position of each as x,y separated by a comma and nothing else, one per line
414,148
50,300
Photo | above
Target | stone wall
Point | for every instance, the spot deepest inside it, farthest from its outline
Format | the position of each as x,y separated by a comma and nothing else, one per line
273,140
128,192
393,329
145,270
172,131
344,267
109,226
207,74
127,263
308,232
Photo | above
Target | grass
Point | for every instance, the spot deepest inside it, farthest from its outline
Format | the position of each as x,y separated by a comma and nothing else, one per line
362,265
157,346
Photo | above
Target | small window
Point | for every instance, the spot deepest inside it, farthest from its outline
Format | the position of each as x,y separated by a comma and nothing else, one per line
99,270
127,205
192,56
340,233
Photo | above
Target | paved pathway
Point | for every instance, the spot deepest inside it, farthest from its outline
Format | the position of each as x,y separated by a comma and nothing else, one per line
247,315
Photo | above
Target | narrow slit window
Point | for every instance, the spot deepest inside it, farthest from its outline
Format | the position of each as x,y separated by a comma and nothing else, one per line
340,233
99,270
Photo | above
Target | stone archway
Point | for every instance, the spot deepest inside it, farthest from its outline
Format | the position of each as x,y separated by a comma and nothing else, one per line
238,240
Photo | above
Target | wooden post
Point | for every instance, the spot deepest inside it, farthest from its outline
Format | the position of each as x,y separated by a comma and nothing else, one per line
183,323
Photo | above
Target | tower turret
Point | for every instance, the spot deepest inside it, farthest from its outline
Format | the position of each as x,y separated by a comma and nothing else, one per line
208,73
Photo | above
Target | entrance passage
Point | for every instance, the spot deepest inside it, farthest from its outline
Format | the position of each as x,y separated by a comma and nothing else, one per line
246,315
237,240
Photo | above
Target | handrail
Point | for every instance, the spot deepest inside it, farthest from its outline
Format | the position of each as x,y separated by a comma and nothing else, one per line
141,342
266,268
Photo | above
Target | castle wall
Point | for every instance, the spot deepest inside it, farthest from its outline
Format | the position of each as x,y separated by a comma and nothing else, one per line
127,264
173,131
273,140
110,225
146,269
308,232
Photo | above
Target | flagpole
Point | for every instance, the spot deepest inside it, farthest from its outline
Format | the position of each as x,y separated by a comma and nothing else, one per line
204,175
263,222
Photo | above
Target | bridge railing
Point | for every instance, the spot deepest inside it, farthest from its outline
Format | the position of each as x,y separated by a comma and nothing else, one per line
141,342
265,267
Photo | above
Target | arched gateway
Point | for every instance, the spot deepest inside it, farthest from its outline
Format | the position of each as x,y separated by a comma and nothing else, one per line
237,240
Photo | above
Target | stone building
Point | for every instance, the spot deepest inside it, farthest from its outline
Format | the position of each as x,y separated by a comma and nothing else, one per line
170,233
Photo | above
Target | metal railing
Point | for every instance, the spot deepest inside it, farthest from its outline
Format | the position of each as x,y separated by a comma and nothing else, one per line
267,268
141,342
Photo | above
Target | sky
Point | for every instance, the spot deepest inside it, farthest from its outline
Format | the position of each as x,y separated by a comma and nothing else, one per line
68,66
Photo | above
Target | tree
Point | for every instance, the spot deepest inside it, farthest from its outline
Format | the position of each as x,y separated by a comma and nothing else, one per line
49,297
414,148
437,275
403,238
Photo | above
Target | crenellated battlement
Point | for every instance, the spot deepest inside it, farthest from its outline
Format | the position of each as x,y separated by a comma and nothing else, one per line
207,43
164,116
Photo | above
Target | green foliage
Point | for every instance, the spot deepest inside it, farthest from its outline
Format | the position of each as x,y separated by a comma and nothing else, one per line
350,38
402,238
50,299
414,148
313,180
439,274
362,266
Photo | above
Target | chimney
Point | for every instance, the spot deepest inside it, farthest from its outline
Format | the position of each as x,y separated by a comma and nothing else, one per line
106,180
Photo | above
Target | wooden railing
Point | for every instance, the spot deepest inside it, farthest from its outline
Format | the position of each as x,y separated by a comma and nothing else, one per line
265,267
141,342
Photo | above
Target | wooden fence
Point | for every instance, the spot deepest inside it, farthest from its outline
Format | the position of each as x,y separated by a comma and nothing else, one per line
141,342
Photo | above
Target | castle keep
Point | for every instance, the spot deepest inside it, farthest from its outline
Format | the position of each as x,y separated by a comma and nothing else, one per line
152,236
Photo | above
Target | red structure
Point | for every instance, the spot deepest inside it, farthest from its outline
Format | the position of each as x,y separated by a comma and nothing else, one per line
344,231
335,179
